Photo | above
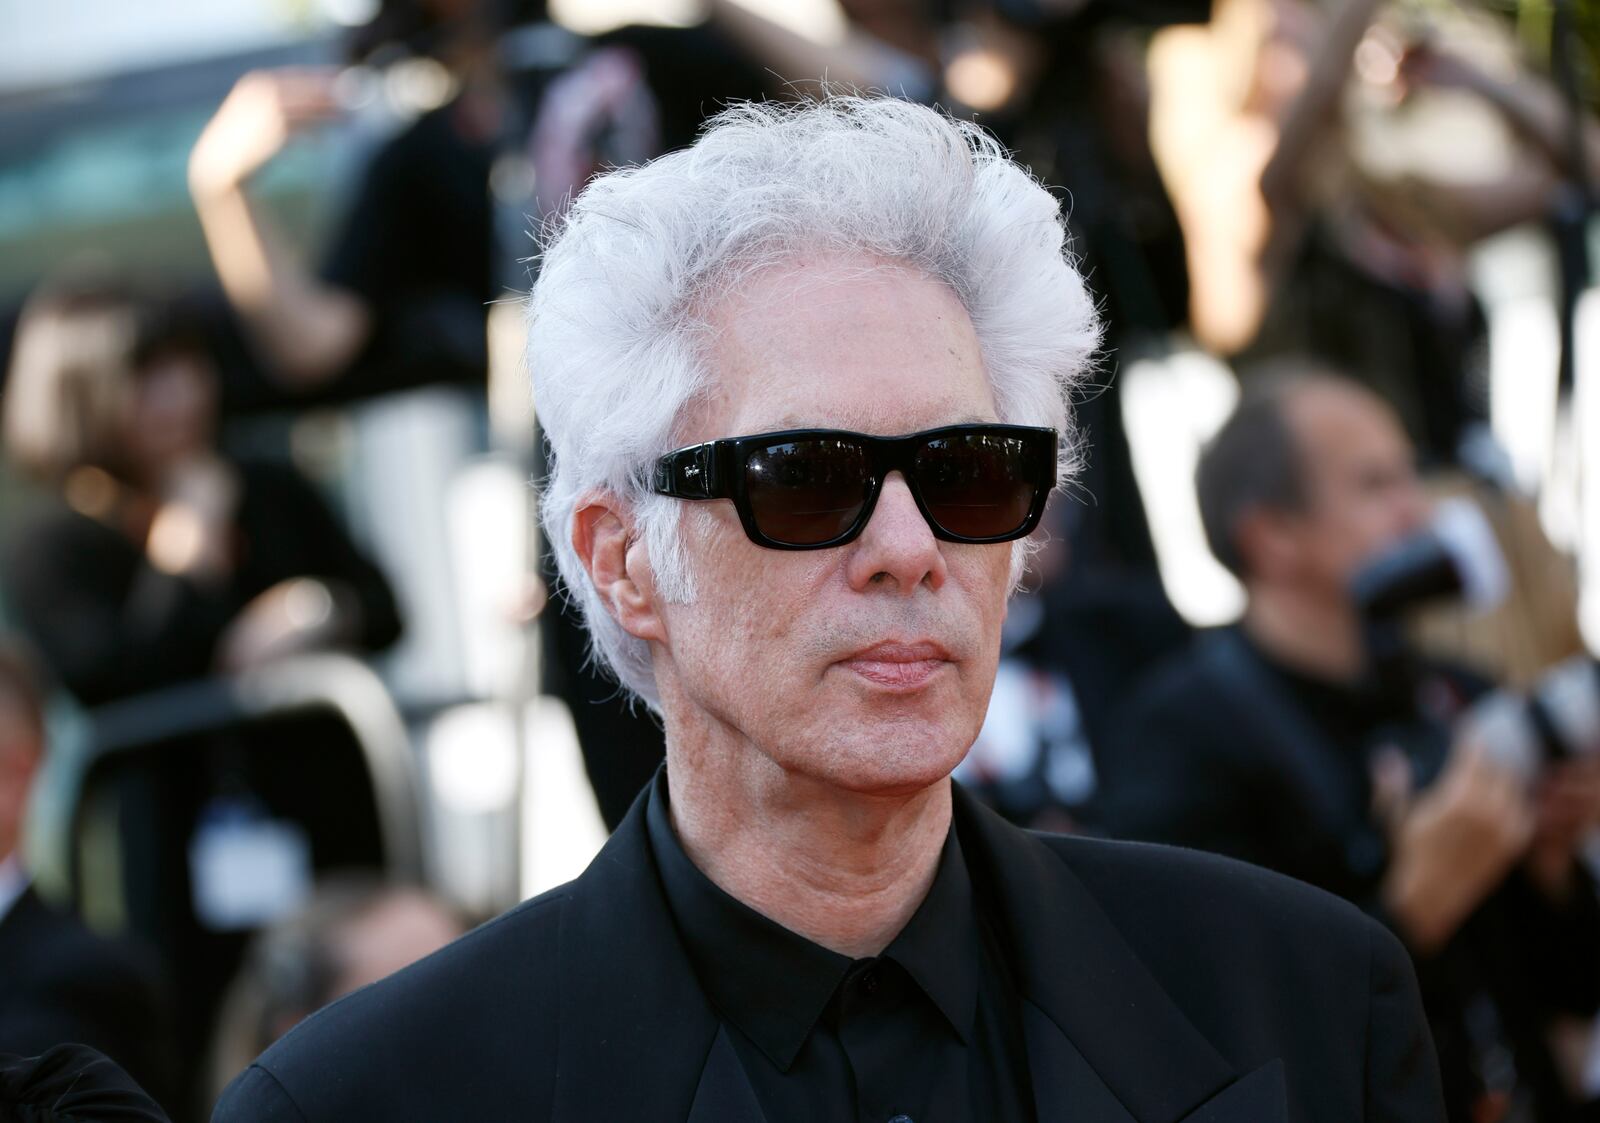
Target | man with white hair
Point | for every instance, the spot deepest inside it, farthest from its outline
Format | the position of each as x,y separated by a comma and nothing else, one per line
804,389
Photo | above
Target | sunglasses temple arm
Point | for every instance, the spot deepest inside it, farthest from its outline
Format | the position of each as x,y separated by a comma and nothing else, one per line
689,473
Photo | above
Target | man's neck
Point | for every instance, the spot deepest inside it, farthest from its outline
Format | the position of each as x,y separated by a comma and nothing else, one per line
842,869
1321,639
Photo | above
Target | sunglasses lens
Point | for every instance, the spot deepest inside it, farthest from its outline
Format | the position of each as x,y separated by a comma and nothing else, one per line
983,485
806,492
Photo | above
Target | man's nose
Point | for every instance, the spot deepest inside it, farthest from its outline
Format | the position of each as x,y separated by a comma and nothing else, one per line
897,545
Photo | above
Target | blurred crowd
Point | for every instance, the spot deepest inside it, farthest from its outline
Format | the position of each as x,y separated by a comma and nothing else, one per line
1310,604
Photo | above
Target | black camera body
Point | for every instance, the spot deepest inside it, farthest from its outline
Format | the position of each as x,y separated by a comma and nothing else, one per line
1456,559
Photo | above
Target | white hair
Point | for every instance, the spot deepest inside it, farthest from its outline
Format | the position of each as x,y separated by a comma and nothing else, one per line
617,315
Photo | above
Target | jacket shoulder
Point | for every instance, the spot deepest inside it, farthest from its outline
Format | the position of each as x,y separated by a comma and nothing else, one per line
1265,965
1226,937
468,1032
1139,881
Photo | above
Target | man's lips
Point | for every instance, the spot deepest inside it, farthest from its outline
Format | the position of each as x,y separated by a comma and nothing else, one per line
899,666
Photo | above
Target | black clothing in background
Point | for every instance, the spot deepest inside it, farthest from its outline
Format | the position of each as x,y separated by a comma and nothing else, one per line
1422,349
1155,985
417,245
1103,628
693,72
71,1084
1082,641
61,983
1085,128
1226,750
110,625
930,1029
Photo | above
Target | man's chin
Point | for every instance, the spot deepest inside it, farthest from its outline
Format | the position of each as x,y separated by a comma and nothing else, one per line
887,783
893,758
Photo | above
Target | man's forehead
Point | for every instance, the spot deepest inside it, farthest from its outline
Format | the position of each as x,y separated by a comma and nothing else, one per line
871,421
1336,419
816,275
842,343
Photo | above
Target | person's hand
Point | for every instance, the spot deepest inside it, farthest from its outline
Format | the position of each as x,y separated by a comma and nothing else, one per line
207,483
295,616
191,531
1453,844
262,111
1567,810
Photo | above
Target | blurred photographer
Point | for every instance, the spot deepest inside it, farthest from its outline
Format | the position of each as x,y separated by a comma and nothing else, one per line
1295,741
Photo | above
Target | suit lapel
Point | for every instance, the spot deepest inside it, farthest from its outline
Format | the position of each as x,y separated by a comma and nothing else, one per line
1262,1095
1102,1034
1065,1088
637,1038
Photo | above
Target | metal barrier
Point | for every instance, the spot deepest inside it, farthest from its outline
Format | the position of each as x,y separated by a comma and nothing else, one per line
316,741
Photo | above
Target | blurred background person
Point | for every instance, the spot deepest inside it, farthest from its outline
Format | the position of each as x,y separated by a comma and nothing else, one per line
401,298
59,982
159,559
417,256
352,932
1287,742
1294,244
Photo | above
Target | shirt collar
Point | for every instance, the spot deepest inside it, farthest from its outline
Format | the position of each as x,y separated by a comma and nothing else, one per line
13,881
774,984
939,946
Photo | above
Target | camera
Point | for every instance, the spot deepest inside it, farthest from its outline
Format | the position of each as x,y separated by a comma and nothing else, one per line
1457,558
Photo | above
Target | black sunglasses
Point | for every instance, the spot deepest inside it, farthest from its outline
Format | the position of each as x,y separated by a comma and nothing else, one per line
808,489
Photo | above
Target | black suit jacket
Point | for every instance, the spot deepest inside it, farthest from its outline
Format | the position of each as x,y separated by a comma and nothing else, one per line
61,983
1158,986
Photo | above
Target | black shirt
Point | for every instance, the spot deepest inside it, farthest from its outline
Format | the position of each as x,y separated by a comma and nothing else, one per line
927,1032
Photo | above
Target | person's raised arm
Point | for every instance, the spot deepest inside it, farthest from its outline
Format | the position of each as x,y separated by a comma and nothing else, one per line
1210,157
307,330
1233,173
1301,127
1529,104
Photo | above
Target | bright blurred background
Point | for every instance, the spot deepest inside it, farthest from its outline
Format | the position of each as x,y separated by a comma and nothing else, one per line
361,326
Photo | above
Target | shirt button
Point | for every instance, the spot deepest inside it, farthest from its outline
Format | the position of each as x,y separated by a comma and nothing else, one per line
869,985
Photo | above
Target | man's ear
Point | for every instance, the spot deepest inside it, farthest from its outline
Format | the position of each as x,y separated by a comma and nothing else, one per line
609,546
1267,543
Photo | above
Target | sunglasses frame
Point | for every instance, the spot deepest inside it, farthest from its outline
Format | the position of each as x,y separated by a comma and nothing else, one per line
717,470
